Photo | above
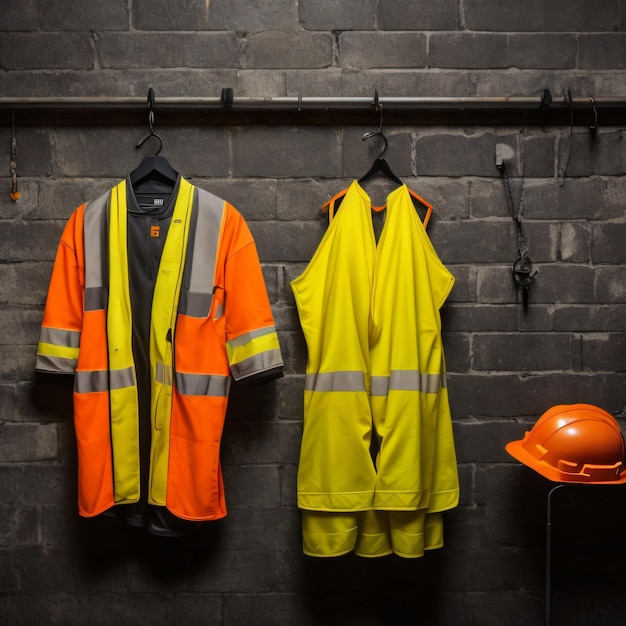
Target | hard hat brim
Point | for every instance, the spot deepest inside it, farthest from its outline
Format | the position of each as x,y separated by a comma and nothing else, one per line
517,451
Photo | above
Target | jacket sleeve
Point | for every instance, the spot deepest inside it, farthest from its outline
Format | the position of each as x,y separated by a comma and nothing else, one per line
251,339
57,351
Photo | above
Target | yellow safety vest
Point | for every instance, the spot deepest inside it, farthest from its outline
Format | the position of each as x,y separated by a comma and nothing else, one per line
375,375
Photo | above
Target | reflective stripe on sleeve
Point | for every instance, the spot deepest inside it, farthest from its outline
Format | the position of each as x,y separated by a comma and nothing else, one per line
48,363
60,337
335,381
257,363
57,350
407,380
254,352
202,384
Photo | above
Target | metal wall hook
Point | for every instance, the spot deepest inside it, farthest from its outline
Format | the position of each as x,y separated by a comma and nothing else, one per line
594,127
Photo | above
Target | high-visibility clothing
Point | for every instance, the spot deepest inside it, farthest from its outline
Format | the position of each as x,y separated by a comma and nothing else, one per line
377,462
210,321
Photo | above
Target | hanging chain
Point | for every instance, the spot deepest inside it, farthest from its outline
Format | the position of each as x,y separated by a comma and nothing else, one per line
523,266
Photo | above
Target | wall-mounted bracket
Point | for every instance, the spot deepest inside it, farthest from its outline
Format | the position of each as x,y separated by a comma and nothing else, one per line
503,153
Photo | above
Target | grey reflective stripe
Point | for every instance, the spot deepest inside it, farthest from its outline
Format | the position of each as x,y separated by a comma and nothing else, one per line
335,381
407,380
205,246
88,382
96,251
163,374
122,378
246,338
60,337
95,298
98,380
257,363
202,384
46,363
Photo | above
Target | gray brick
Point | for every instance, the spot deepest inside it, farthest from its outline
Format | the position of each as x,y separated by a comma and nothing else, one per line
46,485
604,156
604,353
303,199
20,526
261,443
574,243
19,326
299,240
418,15
602,51
28,201
287,49
602,318
255,198
455,154
537,155
216,15
495,285
484,242
464,289
479,318
402,83
394,50
255,486
58,198
480,51
563,284
329,15
590,198
268,152
28,442
28,51
525,352
457,351
610,286
510,395
18,363
18,16
101,16
261,83
26,283
291,398
608,243
126,50
29,241
116,155
535,15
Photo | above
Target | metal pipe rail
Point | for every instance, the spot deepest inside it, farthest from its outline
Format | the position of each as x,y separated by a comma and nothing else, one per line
298,103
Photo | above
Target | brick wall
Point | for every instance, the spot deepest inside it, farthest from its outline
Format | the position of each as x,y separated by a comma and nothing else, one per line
505,366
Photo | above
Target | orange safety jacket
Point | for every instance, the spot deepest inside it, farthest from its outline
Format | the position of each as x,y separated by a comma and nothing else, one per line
211,320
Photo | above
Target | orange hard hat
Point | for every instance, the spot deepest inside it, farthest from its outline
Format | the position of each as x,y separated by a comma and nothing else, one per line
576,443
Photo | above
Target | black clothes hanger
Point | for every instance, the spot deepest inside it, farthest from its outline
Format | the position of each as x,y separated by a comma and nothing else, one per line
154,173
380,165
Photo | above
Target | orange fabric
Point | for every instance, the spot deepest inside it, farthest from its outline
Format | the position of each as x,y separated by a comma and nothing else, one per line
329,205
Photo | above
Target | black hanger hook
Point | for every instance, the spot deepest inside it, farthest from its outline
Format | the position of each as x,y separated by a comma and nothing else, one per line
152,132
379,108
